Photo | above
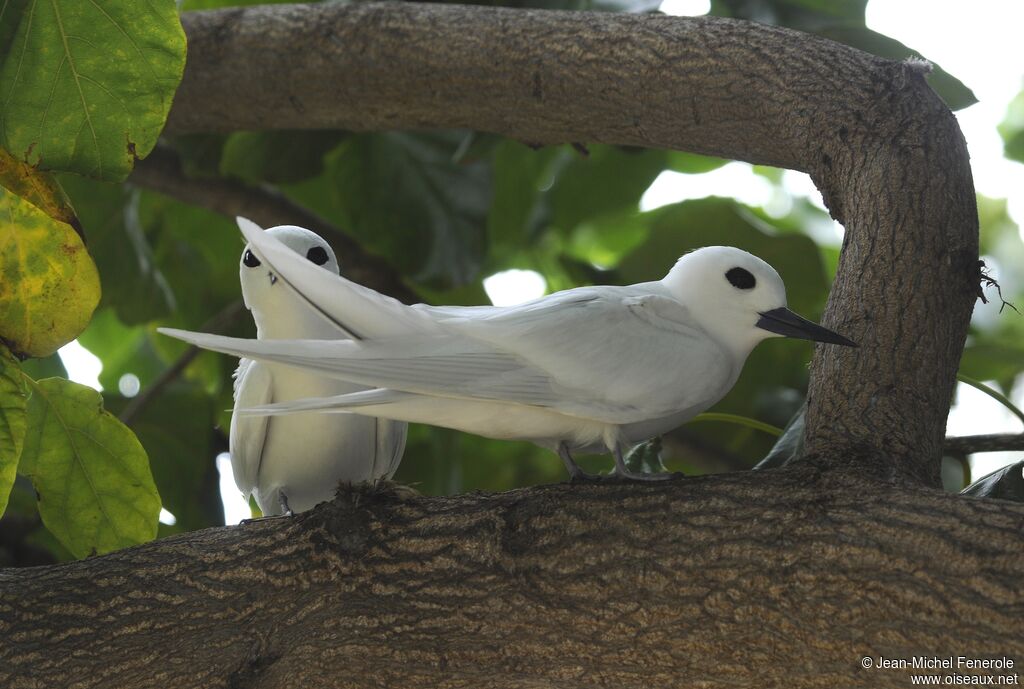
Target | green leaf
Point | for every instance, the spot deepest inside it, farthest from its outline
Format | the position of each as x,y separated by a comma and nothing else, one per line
50,286
994,394
1012,129
86,86
277,157
608,180
646,457
1006,484
177,429
991,359
40,189
404,198
518,210
13,401
91,475
47,367
693,163
133,283
1013,147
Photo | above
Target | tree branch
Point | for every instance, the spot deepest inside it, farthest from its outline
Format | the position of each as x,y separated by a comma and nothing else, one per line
996,442
161,171
883,148
794,579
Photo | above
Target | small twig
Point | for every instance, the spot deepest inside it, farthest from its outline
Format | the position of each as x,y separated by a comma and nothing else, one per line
215,324
161,171
986,281
996,442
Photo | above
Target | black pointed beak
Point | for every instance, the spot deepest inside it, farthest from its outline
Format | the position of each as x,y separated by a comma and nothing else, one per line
782,321
273,278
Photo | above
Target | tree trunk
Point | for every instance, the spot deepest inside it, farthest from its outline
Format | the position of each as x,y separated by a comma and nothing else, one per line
781,578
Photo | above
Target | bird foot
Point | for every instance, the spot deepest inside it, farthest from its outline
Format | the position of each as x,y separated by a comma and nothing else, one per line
626,475
580,476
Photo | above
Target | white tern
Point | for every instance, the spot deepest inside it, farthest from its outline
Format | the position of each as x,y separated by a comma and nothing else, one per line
587,369
291,463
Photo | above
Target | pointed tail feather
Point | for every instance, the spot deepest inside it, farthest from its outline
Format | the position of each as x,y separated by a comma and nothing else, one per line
337,403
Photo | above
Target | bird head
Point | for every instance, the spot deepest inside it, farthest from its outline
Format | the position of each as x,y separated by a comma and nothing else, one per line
739,299
262,291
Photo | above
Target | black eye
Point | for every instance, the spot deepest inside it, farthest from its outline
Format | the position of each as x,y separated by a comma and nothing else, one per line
249,259
317,255
741,278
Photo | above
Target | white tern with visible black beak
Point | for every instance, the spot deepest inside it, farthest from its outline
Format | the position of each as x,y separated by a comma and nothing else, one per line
587,369
291,463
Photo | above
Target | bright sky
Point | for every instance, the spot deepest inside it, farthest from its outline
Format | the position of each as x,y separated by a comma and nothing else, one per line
978,42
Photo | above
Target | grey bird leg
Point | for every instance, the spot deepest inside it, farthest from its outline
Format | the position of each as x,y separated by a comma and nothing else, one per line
576,475
623,472
286,511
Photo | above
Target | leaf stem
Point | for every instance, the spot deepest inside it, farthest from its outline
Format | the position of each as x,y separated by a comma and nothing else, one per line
740,421
994,394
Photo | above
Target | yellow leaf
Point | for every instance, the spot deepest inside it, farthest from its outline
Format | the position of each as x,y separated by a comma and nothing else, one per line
39,188
50,286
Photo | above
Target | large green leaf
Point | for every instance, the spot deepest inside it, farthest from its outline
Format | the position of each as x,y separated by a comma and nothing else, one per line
277,157
519,210
608,180
1012,129
404,198
13,399
50,286
39,188
177,429
132,281
91,475
86,85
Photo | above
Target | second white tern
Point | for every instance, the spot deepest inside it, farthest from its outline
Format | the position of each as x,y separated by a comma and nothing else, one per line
586,369
291,463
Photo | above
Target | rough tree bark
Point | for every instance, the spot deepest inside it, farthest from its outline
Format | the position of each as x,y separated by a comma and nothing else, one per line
782,578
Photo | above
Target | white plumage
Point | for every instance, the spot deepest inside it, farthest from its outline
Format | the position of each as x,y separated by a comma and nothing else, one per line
585,369
291,463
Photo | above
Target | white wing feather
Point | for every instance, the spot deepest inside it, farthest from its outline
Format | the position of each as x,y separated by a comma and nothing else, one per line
253,386
585,352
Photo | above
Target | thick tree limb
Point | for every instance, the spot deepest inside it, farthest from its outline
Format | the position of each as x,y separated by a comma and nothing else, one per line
161,171
995,442
779,578
882,147
729,580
